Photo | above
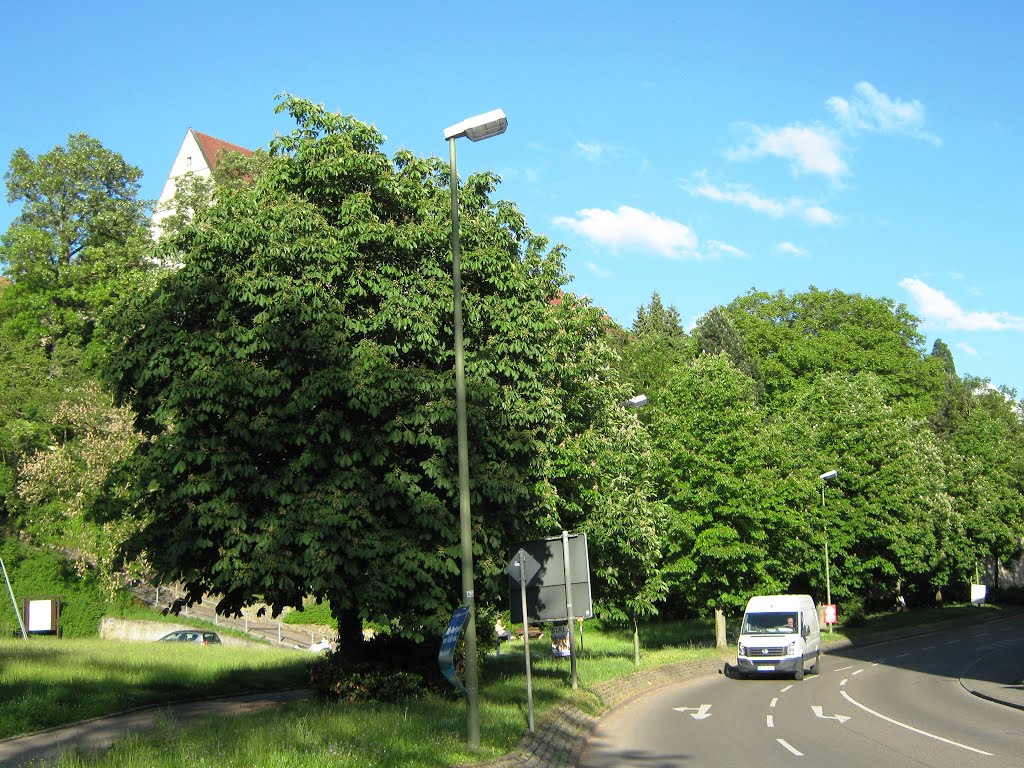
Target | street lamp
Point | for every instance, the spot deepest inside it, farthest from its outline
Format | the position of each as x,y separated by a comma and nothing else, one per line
637,401
476,128
825,477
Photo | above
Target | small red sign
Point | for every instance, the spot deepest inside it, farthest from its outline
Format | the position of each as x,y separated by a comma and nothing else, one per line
830,614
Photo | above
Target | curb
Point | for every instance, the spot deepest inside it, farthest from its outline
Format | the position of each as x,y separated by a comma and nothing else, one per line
562,732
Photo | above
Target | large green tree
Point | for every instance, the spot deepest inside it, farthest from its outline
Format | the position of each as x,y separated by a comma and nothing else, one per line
79,242
78,245
295,376
724,534
796,337
887,515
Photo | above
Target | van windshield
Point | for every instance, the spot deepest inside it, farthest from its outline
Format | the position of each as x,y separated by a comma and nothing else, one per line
770,623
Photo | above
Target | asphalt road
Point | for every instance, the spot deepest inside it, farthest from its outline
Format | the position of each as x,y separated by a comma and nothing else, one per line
892,704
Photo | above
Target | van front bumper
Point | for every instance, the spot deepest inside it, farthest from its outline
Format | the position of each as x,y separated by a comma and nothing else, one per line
768,666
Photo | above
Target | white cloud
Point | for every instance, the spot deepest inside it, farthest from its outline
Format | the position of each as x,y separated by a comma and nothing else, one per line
967,349
718,248
941,311
628,227
592,151
599,271
869,110
790,249
809,149
818,215
742,196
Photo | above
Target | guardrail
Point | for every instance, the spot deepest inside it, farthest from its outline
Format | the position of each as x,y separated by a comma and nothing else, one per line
276,631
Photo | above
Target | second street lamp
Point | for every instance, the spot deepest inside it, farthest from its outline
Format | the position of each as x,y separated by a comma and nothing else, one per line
476,128
825,477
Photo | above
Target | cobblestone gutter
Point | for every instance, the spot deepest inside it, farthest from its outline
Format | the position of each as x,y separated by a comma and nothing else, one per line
559,736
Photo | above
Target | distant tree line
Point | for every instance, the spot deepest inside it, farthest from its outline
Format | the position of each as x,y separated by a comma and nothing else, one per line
260,405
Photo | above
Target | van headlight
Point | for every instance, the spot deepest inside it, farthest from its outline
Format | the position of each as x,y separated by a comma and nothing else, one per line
742,649
791,649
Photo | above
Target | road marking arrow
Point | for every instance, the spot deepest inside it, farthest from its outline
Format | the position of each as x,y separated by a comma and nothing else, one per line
839,718
699,713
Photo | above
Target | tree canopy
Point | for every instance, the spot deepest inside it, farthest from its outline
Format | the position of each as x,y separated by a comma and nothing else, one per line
295,376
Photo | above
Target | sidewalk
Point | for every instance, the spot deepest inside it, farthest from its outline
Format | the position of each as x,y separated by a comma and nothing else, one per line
1003,679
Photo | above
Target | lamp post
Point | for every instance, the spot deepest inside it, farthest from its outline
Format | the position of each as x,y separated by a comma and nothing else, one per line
825,477
475,129
637,401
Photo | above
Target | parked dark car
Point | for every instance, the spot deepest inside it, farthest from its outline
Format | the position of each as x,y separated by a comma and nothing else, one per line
191,636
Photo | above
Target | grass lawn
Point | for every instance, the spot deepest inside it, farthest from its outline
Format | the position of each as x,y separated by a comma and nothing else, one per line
430,731
47,681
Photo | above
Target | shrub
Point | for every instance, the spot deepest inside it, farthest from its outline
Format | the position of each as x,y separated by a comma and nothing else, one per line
385,669
854,614
313,613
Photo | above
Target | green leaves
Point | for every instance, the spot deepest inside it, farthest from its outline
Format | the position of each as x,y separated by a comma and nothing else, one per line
296,375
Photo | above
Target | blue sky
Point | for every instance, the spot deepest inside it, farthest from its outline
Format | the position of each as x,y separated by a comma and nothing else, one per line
694,149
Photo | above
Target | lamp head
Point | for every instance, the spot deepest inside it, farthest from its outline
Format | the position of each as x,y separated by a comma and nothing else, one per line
832,474
636,402
478,128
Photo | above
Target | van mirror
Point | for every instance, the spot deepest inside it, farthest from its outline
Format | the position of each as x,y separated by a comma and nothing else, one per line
805,631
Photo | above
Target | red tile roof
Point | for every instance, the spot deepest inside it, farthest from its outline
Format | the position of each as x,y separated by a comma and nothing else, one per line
212,147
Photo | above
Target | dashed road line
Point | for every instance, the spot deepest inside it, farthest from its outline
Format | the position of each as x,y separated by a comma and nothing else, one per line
790,747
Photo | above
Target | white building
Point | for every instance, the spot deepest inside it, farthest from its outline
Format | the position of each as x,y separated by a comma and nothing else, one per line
199,155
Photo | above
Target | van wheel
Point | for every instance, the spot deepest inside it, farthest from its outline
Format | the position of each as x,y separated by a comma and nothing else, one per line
799,674
817,661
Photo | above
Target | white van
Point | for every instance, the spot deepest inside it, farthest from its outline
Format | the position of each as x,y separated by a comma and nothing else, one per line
779,634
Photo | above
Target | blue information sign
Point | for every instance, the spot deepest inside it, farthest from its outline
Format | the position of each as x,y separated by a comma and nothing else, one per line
446,658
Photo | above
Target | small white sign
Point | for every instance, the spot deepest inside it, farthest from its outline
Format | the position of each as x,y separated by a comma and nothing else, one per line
978,593
40,616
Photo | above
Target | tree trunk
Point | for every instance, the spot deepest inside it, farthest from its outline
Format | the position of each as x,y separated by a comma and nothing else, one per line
636,643
721,641
350,633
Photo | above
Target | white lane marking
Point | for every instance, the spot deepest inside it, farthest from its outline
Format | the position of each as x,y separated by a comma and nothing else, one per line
843,669
929,648
699,713
786,689
843,683
912,728
774,702
791,748
952,642
822,716
902,655
858,672
771,721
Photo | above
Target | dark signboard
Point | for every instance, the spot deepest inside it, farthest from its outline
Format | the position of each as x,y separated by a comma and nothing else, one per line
544,571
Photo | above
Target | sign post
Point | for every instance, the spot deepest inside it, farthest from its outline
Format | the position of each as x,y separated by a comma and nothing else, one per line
14,603
570,620
521,557
556,578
